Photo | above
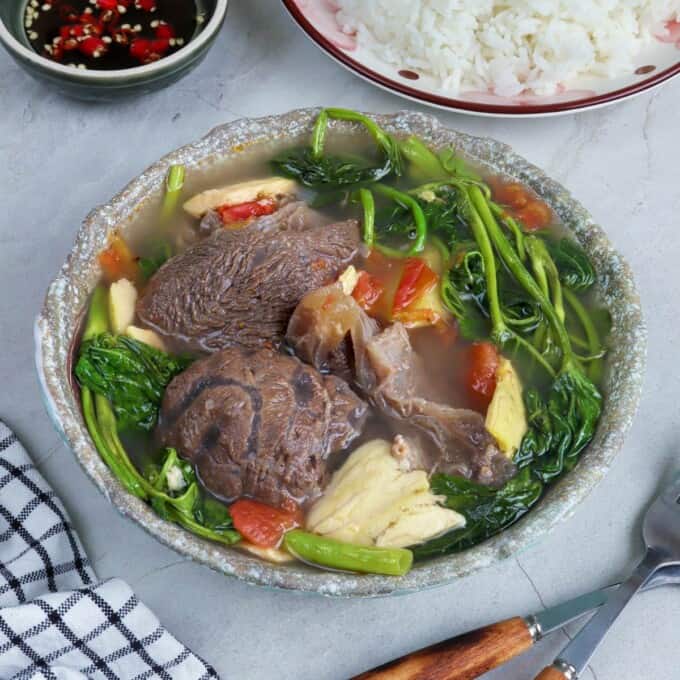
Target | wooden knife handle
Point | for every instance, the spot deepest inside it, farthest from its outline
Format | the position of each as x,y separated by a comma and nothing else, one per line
461,658
551,673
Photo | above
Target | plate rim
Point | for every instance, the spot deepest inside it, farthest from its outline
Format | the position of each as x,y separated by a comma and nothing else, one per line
462,106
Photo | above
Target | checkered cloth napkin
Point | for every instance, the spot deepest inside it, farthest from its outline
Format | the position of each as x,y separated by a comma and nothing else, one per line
57,621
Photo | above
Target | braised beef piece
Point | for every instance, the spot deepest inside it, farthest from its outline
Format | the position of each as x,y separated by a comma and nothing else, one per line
390,374
259,423
241,286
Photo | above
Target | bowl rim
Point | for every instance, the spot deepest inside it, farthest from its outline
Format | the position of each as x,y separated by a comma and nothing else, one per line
56,322
134,73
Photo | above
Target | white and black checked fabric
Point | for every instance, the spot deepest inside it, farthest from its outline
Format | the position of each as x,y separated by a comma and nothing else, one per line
56,621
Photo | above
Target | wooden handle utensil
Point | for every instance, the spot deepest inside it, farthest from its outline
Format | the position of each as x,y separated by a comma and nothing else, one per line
551,673
461,658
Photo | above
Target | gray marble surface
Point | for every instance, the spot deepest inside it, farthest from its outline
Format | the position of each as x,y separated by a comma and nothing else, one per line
58,158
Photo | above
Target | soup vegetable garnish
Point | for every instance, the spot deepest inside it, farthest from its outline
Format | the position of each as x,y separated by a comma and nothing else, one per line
447,309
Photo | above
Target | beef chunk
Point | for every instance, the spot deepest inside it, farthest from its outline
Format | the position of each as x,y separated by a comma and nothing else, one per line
392,377
259,423
241,286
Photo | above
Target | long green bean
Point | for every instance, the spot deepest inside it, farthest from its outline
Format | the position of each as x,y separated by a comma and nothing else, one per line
334,554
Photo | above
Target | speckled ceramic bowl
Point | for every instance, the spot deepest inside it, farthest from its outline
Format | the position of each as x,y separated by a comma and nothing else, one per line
68,295
107,85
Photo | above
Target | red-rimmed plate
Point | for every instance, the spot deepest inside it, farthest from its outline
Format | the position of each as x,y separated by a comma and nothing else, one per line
656,64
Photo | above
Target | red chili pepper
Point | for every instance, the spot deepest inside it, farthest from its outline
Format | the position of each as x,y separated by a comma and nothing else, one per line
148,51
368,290
146,5
481,377
164,31
416,280
93,47
263,524
244,211
109,4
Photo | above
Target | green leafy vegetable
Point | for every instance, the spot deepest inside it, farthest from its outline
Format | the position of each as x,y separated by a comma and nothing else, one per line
559,426
176,496
575,268
130,374
162,252
313,168
486,510
424,164
329,172
420,223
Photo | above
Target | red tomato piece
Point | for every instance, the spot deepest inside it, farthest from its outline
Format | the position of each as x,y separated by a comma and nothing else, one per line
513,195
118,262
108,5
244,211
263,524
368,290
481,382
416,280
536,215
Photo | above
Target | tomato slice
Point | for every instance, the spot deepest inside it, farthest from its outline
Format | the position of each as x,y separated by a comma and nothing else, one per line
513,194
118,262
244,211
534,216
262,524
416,280
481,378
367,290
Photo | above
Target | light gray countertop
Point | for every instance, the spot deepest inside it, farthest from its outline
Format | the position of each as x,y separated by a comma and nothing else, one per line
59,158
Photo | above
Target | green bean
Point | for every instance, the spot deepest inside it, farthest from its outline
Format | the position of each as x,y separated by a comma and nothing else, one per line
334,554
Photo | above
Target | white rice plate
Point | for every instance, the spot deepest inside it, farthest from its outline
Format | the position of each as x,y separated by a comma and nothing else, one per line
507,47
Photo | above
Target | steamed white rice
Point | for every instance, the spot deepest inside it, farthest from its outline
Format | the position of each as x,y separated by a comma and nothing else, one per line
507,47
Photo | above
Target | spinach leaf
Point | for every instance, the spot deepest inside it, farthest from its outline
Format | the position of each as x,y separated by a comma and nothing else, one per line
130,374
486,511
538,439
559,428
313,168
575,268
328,172
213,514
150,265
176,496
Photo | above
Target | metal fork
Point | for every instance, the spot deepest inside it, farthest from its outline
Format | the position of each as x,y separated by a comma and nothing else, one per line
661,533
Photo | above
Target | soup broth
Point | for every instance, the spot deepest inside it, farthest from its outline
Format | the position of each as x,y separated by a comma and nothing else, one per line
466,286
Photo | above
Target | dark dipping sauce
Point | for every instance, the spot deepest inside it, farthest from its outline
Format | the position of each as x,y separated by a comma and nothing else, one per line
111,34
